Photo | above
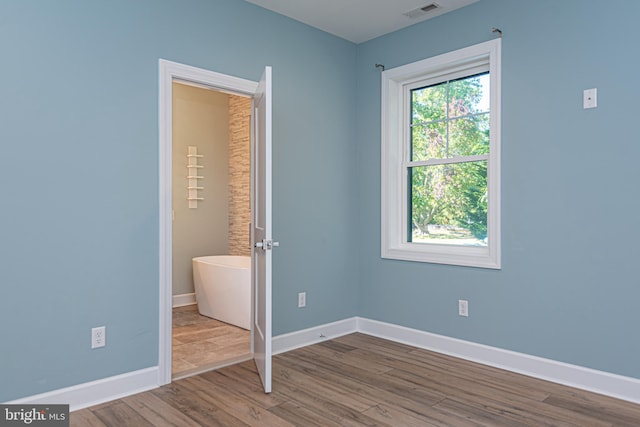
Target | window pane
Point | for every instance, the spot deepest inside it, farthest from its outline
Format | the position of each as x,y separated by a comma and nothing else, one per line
448,204
469,136
469,95
429,104
429,141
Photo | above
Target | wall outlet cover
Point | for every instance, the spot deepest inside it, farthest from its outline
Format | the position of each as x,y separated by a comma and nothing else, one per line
98,337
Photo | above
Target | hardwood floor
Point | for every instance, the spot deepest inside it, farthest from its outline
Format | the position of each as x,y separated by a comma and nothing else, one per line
200,343
359,380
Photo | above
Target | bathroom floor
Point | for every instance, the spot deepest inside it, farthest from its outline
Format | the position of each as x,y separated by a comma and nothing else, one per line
201,343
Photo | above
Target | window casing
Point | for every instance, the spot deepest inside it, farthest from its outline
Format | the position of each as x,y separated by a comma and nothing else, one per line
404,154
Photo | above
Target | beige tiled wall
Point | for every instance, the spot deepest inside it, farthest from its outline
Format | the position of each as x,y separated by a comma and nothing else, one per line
239,175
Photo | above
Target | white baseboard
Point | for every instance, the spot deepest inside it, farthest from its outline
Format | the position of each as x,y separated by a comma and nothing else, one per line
96,392
601,382
183,299
316,334
618,386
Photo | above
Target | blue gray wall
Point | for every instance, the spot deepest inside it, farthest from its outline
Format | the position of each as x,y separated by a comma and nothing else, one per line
79,174
569,286
79,179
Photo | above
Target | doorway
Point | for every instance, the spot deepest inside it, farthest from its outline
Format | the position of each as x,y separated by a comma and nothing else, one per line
261,243
211,216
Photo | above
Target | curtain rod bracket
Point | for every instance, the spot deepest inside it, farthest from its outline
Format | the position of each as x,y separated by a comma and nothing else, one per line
497,30
380,66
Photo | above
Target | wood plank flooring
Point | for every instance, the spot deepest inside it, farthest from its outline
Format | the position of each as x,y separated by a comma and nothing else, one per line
201,343
359,380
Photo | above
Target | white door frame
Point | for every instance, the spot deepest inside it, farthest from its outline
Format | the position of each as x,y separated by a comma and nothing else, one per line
168,72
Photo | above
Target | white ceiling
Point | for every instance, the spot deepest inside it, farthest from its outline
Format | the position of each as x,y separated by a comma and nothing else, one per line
358,20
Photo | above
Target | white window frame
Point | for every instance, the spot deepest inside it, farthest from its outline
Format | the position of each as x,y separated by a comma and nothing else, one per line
395,126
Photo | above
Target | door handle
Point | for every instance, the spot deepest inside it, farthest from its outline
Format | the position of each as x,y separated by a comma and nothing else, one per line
267,245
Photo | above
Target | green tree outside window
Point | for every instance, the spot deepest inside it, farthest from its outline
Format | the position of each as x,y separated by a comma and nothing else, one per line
450,141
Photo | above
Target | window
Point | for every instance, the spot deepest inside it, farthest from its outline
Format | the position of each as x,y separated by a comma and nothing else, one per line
441,159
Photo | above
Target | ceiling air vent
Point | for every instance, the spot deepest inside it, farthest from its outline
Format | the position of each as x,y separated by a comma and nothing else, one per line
421,11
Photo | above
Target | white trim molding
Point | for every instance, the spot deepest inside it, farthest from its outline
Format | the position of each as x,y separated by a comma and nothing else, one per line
95,392
184,299
168,72
302,338
618,386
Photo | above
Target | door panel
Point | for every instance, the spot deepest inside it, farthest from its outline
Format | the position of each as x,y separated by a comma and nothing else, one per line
261,229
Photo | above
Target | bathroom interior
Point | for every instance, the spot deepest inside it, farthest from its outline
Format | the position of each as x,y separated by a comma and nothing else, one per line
211,219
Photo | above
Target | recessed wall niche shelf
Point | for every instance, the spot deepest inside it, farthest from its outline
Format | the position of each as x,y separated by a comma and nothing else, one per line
193,175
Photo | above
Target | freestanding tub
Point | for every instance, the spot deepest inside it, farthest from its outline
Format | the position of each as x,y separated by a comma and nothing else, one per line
223,288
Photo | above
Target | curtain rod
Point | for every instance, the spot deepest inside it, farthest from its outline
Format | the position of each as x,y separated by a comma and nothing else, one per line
493,30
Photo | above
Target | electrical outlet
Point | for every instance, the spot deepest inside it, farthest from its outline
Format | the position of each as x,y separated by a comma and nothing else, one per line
302,299
463,308
98,337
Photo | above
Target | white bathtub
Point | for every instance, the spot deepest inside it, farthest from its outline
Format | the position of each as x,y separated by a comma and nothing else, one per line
223,288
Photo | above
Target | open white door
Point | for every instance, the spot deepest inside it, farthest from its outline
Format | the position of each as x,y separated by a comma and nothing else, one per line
261,238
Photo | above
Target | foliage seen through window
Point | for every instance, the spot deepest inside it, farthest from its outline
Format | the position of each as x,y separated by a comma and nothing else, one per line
447,167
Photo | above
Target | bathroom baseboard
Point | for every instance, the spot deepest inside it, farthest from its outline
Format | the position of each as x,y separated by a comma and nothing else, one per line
95,392
183,299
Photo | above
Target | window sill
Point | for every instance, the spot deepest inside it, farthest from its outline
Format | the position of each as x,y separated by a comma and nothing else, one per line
482,257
